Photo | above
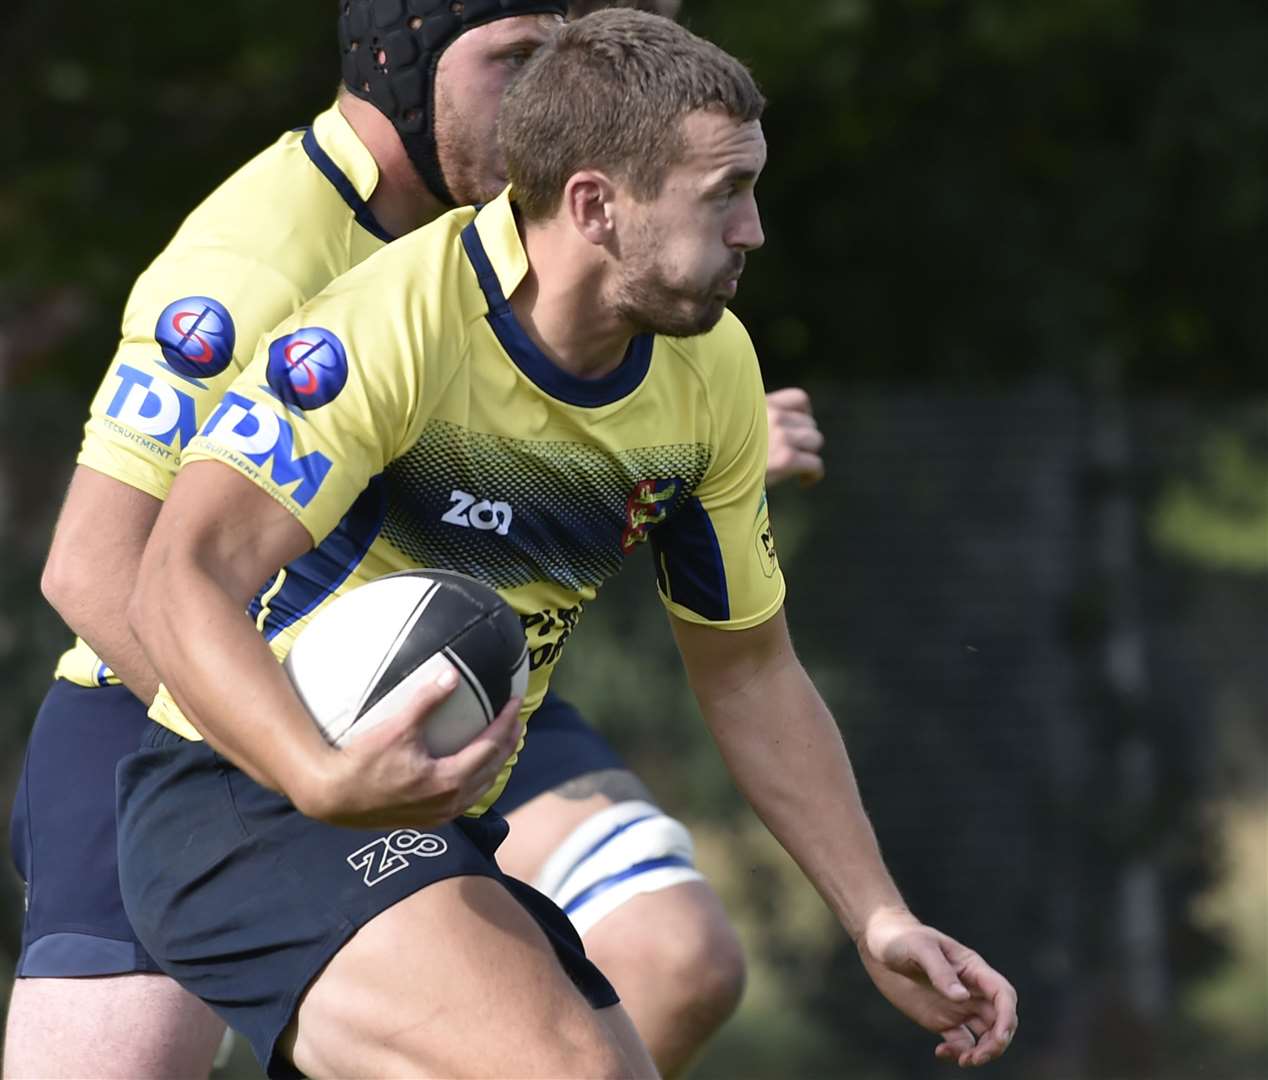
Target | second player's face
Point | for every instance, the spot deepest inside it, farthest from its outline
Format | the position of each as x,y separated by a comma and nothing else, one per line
685,249
471,77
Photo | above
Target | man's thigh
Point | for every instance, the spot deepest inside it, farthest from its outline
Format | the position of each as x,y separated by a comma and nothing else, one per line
245,901
133,1027
455,980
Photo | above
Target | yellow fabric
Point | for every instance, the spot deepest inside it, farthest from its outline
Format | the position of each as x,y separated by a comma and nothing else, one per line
448,446
271,236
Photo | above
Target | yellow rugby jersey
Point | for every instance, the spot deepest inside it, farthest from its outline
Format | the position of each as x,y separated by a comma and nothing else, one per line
407,420
270,237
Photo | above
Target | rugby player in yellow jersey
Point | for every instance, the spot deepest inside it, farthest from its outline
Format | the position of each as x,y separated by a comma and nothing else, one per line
88,1000
566,351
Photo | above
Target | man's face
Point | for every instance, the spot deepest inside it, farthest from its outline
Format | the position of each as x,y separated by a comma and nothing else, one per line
683,252
470,79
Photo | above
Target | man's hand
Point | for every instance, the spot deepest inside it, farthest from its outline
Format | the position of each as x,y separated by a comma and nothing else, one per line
386,778
941,985
795,438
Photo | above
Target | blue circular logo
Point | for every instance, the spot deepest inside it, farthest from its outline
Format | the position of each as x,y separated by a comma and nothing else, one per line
308,368
196,336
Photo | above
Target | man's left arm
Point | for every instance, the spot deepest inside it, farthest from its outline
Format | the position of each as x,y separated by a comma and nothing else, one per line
784,750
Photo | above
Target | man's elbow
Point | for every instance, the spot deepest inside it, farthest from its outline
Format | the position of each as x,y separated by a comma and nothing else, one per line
66,583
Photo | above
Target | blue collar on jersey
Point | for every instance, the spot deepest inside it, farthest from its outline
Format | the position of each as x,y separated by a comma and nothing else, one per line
534,363
359,207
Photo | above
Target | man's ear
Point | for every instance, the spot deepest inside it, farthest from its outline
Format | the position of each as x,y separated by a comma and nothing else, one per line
590,202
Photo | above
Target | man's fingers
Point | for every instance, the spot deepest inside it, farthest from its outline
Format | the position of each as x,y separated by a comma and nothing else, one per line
809,468
1001,1032
956,1042
999,1009
928,955
493,745
412,716
793,398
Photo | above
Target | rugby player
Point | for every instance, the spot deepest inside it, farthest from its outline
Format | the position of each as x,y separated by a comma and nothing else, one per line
88,1000
566,350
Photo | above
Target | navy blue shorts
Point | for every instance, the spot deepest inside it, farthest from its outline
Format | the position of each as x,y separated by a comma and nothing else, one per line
62,833
560,746
244,900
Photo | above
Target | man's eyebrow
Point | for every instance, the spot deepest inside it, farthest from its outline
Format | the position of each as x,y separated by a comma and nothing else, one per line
526,40
735,174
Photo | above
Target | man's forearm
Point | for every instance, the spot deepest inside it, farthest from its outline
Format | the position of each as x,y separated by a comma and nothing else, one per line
783,748
92,568
99,618
224,676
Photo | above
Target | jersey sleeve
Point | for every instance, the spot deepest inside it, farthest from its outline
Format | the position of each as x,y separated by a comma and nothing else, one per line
327,401
715,556
191,323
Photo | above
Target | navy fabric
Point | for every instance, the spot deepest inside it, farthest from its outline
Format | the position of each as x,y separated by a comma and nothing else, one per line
62,832
559,746
244,900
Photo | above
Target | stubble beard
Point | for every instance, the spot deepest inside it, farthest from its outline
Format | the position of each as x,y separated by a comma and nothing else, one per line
646,301
460,163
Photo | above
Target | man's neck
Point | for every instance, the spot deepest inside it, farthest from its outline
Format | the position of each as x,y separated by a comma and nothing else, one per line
400,202
560,304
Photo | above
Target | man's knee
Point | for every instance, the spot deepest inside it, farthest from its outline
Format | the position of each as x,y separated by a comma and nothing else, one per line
680,941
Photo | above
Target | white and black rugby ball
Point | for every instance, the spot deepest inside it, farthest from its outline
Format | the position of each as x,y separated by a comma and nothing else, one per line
365,654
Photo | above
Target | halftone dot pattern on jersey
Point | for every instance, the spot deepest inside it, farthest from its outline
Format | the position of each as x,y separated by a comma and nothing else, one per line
568,504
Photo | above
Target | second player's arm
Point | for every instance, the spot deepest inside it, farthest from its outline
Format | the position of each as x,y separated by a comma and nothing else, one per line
783,748
217,540
92,566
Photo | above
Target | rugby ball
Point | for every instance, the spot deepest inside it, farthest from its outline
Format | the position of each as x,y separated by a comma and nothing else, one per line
363,655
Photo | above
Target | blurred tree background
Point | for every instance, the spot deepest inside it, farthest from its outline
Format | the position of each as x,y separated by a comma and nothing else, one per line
1014,249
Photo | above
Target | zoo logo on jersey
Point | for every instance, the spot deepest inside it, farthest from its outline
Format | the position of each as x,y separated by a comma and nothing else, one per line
150,406
308,368
196,336
255,431
386,855
648,504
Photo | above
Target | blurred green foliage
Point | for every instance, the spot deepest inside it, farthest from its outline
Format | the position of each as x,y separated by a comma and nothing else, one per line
963,190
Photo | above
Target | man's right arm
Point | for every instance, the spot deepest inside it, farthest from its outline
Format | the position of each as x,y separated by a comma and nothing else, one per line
92,567
218,538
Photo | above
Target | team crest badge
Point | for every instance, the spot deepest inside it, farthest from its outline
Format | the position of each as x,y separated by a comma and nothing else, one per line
648,505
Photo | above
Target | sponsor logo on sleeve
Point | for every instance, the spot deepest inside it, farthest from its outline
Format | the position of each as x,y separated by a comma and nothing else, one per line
255,432
764,539
150,406
196,337
308,368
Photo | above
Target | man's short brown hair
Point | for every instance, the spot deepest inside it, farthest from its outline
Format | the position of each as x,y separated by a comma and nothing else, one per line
610,92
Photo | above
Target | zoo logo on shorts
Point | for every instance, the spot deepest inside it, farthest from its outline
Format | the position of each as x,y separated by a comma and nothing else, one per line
308,368
384,856
196,336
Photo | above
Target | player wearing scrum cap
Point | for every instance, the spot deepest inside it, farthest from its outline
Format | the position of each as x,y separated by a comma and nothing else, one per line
567,345
88,999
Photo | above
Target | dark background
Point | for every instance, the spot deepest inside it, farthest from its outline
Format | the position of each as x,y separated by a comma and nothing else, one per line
1014,250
